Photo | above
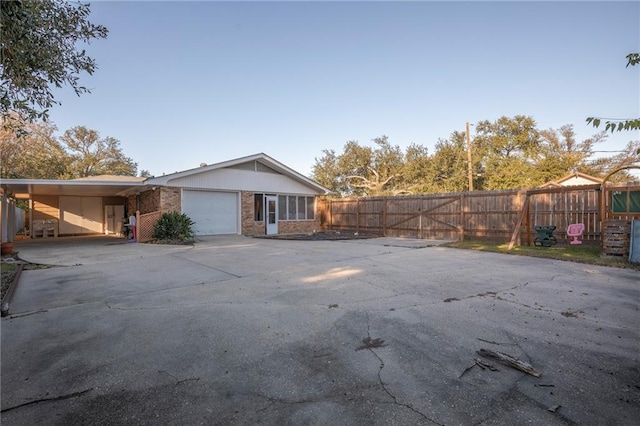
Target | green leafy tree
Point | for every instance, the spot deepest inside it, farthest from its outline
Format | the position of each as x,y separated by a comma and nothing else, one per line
31,153
505,148
618,125
326,172
383,172
417,171
560,153
38,50
449,165
91,155
362,170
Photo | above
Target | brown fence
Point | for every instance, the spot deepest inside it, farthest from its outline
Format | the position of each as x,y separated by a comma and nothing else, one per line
146,222
492,215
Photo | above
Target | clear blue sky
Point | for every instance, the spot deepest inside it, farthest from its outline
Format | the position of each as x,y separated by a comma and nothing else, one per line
181,83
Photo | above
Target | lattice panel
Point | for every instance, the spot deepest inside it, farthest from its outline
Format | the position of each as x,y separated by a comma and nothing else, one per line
146,223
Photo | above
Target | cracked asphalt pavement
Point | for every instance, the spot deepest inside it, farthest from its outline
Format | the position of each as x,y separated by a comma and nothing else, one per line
236,331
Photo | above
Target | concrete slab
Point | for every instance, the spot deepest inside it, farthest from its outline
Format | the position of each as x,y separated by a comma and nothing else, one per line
241,331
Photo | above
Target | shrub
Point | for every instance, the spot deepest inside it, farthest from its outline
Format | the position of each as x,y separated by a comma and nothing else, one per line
174,226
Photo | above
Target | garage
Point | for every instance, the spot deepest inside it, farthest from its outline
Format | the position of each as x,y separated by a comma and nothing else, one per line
214,212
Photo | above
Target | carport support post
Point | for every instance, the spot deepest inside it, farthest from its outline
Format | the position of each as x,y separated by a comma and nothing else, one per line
4,212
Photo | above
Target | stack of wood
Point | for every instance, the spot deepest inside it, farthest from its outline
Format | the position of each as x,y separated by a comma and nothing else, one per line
615,241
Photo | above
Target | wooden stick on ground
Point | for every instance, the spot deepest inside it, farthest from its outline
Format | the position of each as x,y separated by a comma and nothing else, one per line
510,361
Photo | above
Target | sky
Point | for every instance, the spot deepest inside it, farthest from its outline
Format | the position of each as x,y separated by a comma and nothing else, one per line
185,83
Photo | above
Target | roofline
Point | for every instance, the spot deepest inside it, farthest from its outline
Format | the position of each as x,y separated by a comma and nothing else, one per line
276,165
71,182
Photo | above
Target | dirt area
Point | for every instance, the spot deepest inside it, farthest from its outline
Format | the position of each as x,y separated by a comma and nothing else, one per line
324,236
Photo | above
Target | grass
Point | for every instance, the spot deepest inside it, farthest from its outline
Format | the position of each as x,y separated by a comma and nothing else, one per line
591,254
8,272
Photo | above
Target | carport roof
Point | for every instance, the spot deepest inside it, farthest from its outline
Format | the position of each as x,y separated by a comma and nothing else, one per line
97,186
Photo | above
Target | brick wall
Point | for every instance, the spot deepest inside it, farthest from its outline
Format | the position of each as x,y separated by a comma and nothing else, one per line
249,225
149,201
170,200
298,226
131,205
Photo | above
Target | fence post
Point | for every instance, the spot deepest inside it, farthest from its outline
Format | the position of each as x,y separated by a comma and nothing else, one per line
331,214
462,217
358,215
384,216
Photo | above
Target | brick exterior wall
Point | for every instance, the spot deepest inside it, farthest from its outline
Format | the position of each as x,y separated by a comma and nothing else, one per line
298,226
170,200
149,201
131,205
251,227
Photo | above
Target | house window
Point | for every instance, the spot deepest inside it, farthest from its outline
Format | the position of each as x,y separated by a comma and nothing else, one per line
625,201
311,204
282,207
258,207
291,202
296,207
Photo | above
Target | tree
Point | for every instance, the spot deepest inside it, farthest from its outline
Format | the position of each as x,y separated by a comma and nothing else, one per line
91,156
561,154
38,50
505,149
362,170
34,153
327,173
614,124
449,166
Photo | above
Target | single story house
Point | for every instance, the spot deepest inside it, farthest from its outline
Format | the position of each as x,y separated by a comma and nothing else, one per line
253,195
573,179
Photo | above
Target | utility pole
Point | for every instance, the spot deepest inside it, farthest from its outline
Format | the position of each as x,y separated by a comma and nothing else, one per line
470,168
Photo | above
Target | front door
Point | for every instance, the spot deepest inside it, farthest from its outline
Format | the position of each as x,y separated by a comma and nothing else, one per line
271,209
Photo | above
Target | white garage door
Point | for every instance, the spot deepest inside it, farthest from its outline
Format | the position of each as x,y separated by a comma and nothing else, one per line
214,213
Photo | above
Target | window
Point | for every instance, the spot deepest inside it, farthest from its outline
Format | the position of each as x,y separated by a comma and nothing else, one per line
258,207
625,201
292,207
282,207
311,203
302,207
296,207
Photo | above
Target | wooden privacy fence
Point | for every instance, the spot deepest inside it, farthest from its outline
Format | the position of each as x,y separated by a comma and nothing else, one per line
491,215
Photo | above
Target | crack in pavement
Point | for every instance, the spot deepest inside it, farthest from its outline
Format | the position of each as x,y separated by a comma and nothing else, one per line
207,266
384,386
55,398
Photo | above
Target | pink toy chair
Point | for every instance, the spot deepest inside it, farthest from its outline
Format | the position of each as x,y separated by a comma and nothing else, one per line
575,230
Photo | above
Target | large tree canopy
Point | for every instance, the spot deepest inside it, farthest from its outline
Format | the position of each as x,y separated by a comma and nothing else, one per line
37,153
39,49
508,153
91,155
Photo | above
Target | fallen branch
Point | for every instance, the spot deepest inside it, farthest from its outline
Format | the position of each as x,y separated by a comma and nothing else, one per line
510,361
480,363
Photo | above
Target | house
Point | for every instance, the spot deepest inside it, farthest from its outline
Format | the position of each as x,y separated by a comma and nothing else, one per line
573,179
253,195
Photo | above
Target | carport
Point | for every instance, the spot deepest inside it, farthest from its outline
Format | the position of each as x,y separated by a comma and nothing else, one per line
83,206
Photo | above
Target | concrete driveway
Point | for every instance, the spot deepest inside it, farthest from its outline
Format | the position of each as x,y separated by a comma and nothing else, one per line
242,331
